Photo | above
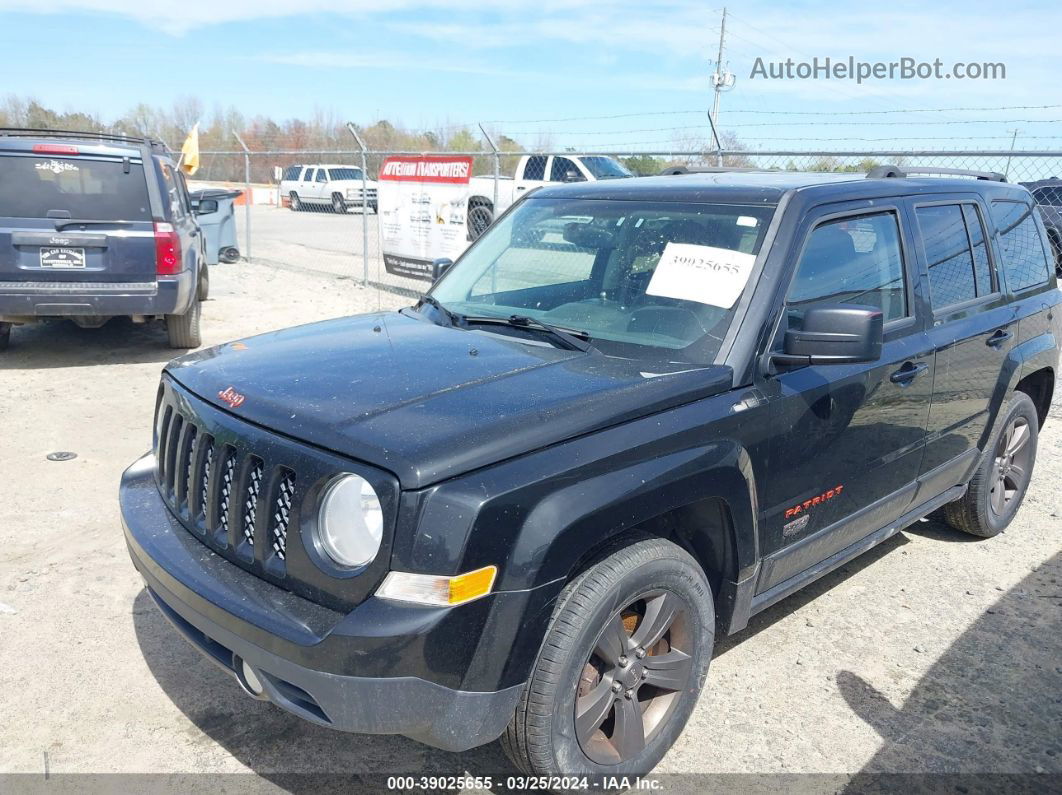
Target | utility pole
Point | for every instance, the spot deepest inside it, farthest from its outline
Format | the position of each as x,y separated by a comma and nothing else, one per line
1013,140
722,80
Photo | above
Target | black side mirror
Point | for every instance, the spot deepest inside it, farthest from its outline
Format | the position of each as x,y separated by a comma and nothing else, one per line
439,267
837,334
572,176
205,206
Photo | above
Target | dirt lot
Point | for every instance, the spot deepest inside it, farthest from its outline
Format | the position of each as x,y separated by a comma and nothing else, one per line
932,653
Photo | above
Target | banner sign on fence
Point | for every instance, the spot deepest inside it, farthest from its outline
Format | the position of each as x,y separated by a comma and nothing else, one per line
422,201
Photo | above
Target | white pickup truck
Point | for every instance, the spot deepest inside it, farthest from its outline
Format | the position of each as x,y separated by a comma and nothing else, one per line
534,171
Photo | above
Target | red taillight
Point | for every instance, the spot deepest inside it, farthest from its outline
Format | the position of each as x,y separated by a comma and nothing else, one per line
167,250
55,149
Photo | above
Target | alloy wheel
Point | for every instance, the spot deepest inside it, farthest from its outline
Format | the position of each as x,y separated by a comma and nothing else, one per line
1010,475
633,678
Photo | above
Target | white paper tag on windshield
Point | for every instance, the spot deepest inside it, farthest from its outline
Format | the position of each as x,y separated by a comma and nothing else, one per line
705,274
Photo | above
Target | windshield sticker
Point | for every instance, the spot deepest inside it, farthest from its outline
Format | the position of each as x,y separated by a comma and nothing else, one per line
747,220
56,166
705,274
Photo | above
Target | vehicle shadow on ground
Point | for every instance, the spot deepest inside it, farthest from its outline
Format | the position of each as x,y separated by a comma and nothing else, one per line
992,702
61,343
280,747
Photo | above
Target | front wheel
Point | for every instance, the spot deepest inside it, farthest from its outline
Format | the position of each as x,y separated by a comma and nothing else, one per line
620,669
183,330
998,487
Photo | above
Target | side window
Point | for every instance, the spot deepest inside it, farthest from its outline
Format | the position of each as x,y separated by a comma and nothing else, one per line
1024,259
308,176
536,168
852,260
982,265
173,192
949,258
1051,195
186,201
563,169
322,175
292,172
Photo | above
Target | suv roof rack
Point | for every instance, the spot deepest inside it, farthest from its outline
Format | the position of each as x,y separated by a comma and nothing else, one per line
671,171
102,137
895,172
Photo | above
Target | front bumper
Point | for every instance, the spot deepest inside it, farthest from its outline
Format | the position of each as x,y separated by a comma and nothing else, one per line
307,657
28,300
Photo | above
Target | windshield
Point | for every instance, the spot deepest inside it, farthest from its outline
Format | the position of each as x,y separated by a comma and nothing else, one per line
657,280
605,167
93,190
344,173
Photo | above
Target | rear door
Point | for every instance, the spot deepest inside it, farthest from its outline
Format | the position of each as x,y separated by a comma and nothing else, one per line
973,328
69,213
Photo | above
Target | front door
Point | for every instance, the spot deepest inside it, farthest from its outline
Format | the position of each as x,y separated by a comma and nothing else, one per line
846,440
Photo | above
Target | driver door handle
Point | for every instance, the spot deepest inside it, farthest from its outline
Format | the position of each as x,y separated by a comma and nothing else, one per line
908,373
998,338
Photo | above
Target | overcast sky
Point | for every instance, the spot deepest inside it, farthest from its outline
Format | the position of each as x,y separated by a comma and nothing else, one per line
429,62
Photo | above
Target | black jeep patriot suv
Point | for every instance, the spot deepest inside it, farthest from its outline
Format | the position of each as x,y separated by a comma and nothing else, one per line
632,413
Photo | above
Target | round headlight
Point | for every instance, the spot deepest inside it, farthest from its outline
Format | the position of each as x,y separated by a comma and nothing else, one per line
350,524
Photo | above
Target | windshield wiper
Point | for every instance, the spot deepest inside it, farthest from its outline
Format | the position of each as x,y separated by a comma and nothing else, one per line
571,339
63,223
452,318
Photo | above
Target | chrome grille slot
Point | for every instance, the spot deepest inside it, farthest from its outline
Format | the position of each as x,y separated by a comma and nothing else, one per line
250,498
278,530
227,473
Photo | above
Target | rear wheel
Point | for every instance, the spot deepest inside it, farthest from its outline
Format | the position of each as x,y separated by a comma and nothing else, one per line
183,330
479,218
998,487
294,202
5,335
229,255
338,205
621,666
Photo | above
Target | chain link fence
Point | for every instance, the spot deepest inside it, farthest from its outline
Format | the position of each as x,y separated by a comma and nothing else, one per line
318,210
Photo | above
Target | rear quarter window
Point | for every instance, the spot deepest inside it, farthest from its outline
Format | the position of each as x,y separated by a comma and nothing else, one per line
32,186
1025,262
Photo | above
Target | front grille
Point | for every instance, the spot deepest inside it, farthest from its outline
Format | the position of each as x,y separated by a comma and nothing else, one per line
221,491
240,489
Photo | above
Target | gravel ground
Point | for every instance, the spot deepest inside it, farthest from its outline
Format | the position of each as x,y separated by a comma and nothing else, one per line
932,653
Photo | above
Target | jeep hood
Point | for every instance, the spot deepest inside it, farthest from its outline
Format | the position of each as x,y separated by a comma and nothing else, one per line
428,402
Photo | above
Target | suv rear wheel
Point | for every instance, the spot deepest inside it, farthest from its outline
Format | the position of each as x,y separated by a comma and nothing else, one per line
183,330
338,205
620,668
999,485
5,335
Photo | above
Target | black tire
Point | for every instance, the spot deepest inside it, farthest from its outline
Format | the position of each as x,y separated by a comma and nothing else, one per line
5,336
229,255
480,217
599,610
294,202
338,205
183,330
204,284
998,487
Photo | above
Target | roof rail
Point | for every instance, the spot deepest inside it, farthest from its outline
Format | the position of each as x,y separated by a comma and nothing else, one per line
671,171
102,137
895,172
